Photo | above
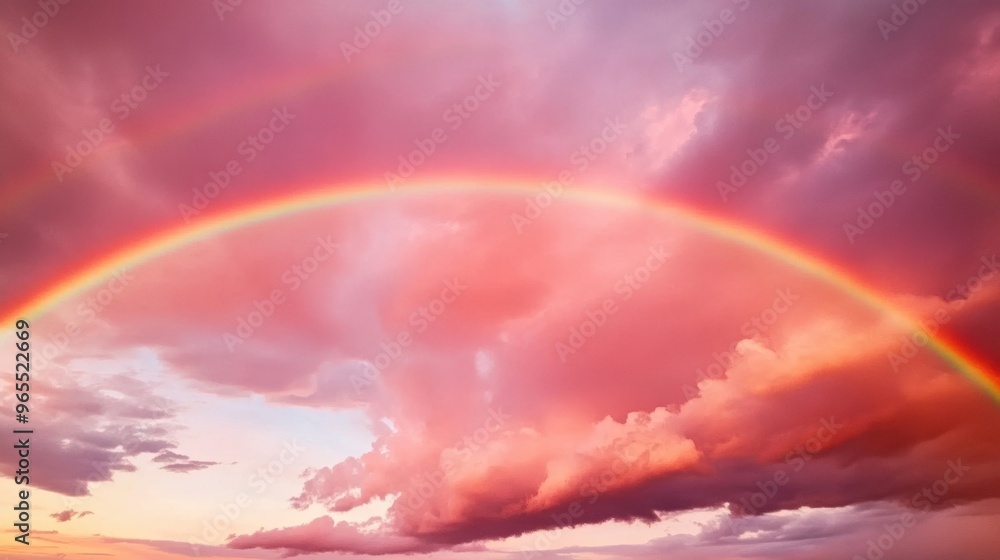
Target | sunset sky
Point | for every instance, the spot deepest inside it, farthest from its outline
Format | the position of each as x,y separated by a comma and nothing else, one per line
506,280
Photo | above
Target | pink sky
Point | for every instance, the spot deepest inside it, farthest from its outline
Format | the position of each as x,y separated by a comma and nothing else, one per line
457,374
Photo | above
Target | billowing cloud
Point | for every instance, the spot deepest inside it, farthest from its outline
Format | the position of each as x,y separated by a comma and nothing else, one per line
531,360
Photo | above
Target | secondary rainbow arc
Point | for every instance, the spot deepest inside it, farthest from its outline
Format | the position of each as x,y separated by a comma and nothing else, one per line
284,205
300,82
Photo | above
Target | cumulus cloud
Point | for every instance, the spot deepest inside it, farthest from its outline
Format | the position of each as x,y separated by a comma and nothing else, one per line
594,362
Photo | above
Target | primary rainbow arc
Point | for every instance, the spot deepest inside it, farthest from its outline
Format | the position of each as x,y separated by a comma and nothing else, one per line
325,196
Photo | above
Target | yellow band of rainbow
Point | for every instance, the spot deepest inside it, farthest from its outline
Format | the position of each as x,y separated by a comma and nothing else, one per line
300,200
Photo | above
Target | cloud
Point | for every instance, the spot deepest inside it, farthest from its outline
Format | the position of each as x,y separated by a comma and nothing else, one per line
527,397
577,440
324,534
188,466
94,427
66,515
169,456
181,463
495,432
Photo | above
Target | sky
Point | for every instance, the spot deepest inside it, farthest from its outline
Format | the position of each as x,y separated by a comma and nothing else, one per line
509,280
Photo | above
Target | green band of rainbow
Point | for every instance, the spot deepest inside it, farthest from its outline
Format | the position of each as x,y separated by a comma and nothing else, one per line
325,196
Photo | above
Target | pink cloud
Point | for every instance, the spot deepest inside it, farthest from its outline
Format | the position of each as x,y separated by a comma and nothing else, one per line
504,345
606,432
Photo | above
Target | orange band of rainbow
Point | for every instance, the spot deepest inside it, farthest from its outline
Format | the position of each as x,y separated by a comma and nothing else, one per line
303,200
